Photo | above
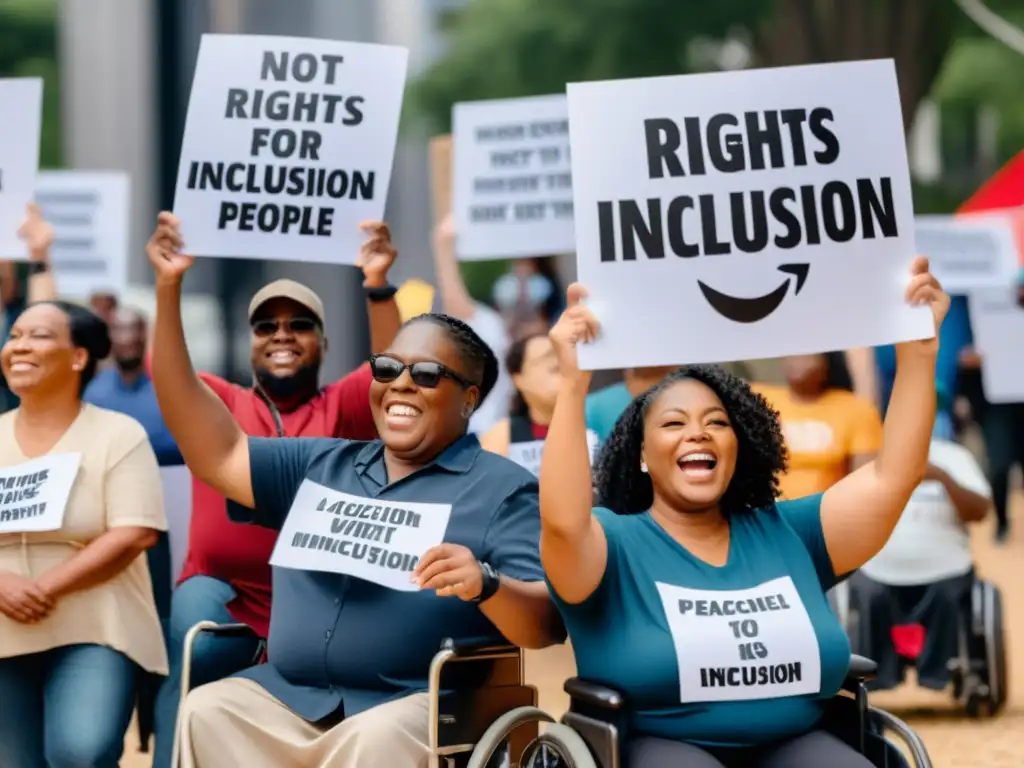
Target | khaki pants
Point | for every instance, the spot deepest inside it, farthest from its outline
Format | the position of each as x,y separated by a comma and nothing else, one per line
236,722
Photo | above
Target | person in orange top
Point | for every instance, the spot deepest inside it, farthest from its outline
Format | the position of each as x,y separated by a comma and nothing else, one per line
829,430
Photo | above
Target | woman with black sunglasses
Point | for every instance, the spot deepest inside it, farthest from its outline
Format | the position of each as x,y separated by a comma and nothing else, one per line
356,696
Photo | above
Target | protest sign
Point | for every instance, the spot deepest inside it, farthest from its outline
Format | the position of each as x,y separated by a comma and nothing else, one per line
742,215
997,321
177,485
968,252
529,454
511,178
288,146
34,494
371,539
742,644
21,116
89,213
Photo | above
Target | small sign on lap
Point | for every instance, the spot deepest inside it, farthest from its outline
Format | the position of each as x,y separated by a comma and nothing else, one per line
968,253
998,325
21,116
89,212
288,146
511,178
743,215
372,539
744,644
34,494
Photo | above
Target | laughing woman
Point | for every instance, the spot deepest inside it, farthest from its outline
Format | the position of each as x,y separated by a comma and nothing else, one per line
688,521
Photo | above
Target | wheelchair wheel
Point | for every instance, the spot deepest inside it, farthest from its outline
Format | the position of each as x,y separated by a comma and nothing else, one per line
558,747
989,696
494,741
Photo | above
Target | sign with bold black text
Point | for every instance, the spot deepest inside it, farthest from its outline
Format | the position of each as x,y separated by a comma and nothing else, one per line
288,146
34,494
21,116
89,212
743,215
371,539
511,178
744,644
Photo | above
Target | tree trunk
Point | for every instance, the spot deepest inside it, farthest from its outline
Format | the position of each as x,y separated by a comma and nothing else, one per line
916,34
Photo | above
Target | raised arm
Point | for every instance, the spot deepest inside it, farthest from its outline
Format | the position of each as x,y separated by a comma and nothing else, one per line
573,547
859,512
38,236
375,259
211,442
455,299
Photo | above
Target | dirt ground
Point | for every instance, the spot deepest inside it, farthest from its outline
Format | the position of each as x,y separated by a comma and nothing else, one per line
953,740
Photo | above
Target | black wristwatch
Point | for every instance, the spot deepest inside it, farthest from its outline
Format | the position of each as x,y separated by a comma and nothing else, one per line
38,267
380,293
491,582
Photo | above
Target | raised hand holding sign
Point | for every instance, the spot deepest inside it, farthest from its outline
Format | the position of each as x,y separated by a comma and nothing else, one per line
164,250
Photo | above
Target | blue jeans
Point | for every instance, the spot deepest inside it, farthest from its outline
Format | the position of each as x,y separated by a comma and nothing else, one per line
65,708
200,598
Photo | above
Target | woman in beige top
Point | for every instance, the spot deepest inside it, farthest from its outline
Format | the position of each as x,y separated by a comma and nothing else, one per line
77,617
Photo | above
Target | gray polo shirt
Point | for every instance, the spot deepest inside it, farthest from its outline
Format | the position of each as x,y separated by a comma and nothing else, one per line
339,645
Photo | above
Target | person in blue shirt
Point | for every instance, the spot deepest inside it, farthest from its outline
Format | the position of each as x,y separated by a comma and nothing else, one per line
690,587
606,405
418,536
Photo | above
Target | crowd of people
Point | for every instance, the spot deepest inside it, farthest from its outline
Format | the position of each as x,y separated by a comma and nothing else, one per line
619,517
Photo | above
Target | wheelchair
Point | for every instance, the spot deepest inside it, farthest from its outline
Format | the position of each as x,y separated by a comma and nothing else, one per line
978,672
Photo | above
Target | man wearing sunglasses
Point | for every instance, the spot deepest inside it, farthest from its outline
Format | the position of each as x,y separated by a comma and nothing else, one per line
226,576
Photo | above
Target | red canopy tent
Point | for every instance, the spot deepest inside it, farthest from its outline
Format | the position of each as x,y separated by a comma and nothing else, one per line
1004,191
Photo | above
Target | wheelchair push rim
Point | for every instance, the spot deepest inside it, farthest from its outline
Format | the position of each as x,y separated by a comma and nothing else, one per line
558,747
495,738
995,650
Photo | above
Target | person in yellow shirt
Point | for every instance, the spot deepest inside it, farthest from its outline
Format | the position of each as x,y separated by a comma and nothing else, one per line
829,430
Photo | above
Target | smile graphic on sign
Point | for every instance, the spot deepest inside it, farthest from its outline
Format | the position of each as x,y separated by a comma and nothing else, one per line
752,310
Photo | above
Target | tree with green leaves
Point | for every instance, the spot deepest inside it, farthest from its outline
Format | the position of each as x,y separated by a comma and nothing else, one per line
508,48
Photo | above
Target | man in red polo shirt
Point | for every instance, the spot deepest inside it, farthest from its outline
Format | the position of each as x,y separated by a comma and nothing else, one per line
226,576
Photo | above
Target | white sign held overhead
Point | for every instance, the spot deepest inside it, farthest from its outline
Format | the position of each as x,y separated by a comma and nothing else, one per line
21,117
34,494
371,539
997,321
89,212
511,178
288,146
968,252
742,215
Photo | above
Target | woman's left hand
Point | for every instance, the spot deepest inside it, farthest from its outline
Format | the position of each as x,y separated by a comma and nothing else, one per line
377,254
922,289
451,570
37,234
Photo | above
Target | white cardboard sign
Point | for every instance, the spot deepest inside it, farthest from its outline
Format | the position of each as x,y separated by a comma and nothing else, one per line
371,539
34,494
511,178
177,484
743,644
528,454
288,146
997,321
89,212
742,215
21,118
968,252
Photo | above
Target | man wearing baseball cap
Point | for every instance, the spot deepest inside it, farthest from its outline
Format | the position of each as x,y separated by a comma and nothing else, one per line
226,576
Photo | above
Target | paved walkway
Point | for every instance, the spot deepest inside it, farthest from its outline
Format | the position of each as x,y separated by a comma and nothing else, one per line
952,739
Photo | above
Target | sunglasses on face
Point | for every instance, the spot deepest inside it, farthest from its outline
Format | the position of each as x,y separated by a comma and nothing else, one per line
426,373
292,325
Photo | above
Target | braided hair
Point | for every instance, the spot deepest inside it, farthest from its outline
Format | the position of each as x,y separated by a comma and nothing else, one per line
624,489
480,361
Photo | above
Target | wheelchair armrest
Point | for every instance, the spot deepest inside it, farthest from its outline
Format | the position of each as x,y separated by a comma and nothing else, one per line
861,670
230,630
594,694
467,648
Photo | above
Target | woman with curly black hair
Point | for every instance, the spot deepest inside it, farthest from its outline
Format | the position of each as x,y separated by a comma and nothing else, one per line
691,588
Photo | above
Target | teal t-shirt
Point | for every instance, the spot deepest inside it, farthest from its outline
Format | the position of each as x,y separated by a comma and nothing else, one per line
738,655
604,408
